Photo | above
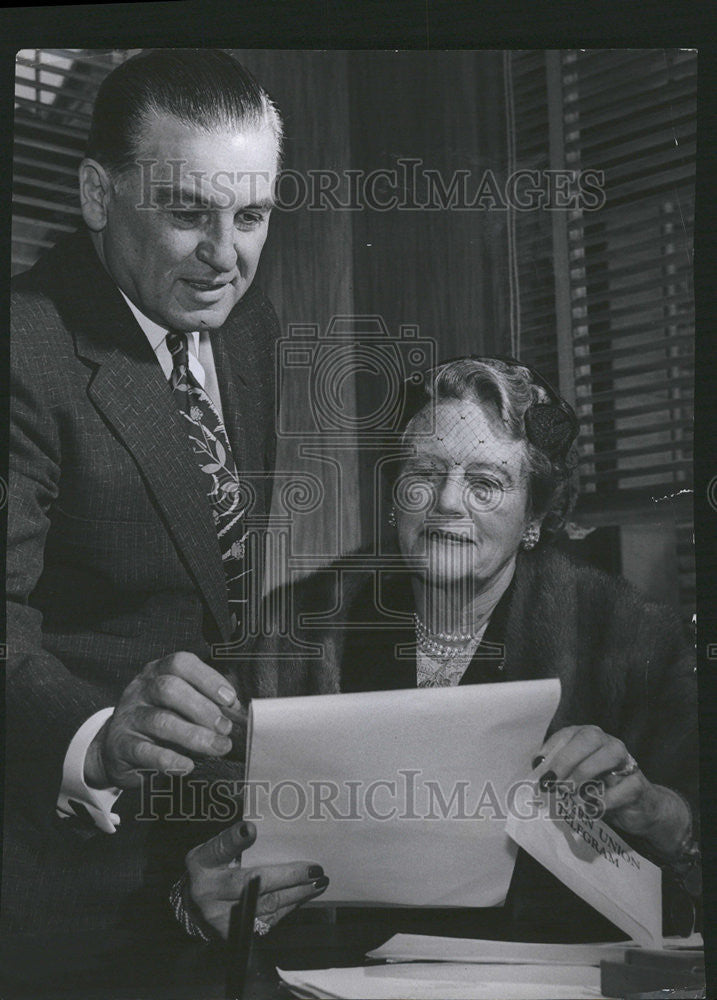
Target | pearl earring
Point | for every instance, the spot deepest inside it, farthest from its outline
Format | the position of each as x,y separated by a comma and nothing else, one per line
392,517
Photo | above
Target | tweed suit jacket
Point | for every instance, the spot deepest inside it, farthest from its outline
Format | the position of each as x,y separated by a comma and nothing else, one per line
113,558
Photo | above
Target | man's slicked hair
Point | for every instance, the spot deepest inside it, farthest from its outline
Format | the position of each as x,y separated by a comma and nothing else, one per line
206,89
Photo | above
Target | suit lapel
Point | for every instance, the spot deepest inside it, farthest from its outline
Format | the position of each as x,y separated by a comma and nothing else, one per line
130,390
138,403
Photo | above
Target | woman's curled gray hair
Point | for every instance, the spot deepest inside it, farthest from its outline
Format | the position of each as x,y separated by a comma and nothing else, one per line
509,390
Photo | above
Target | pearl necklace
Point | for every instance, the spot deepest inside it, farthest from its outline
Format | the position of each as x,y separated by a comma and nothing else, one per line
430,642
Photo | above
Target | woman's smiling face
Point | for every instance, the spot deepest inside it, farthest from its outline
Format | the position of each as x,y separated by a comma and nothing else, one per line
462,499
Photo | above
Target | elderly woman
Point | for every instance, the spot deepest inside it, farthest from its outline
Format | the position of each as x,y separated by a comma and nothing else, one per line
482,490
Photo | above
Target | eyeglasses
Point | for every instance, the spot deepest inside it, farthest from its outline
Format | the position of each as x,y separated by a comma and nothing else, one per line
552,427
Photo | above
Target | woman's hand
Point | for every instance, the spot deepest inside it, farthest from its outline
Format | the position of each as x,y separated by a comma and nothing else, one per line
580,753
216,880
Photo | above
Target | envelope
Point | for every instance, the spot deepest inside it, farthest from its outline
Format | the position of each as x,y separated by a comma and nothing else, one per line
594,861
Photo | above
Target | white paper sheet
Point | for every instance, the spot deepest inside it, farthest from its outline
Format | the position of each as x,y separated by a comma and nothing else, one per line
449,755
447,981
596,863
430,948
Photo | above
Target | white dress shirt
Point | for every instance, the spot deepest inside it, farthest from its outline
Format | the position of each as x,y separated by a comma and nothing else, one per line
99,801
201,358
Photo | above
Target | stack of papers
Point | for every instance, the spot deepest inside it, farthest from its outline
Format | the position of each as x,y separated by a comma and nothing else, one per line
423,967
448,981
427,948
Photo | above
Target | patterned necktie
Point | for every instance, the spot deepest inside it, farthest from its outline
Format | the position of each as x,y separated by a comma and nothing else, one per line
227,497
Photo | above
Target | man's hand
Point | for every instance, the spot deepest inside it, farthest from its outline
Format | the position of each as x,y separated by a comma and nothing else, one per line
176,704
216,880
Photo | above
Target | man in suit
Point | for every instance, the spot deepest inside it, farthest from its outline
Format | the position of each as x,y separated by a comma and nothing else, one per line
141,441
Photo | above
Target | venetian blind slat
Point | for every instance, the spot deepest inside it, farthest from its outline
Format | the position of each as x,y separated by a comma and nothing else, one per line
54,91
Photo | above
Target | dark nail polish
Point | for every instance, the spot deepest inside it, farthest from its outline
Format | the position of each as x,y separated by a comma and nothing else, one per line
537,761
547,782
244,830
321,883
315,871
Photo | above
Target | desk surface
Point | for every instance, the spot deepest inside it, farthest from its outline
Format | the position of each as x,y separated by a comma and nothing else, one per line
197,972
310,946
323,946
319,944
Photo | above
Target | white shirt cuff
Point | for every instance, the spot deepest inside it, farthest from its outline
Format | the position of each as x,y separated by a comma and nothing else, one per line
97,801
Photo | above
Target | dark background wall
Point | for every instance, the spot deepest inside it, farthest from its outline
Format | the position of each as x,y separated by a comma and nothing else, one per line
441,272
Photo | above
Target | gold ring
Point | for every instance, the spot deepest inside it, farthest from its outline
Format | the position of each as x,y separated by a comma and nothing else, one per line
261,927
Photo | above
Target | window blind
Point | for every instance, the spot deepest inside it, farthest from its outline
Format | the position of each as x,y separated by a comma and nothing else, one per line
632,116
629,114
535,339
54,92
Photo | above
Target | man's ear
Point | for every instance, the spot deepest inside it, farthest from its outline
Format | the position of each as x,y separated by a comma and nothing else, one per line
95,192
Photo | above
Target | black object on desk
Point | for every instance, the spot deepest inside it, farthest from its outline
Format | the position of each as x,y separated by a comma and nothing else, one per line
241,929
646,973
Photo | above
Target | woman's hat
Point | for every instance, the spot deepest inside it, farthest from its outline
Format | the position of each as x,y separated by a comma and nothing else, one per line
552,426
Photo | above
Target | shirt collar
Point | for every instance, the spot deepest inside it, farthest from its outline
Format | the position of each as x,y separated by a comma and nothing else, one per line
155,333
